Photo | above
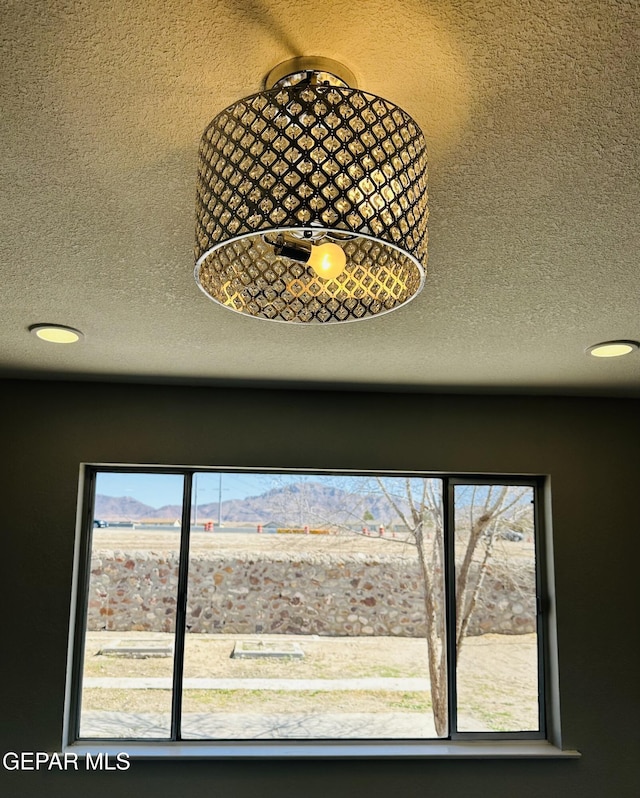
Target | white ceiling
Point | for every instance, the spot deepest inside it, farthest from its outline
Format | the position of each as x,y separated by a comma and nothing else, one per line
531,113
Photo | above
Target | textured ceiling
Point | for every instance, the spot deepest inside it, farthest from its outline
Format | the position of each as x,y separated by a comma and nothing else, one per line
531,114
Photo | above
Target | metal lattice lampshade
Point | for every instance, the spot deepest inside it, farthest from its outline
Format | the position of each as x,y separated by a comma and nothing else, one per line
315,160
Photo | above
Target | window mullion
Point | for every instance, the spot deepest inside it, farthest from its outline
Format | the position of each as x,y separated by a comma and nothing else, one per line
79,632
181,609
541,569
450,601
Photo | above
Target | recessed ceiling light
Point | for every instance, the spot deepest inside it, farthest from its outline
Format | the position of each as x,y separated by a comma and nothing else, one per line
613,348
56,333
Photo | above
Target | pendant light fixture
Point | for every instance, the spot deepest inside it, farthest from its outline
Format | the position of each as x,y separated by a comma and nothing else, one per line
312,200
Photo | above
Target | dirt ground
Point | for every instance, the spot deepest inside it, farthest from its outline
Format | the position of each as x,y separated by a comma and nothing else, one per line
162,541
251,541
497,677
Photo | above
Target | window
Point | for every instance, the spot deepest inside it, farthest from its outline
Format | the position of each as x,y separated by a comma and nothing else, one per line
229,611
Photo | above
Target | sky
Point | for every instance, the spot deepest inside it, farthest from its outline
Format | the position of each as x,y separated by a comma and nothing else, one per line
158,490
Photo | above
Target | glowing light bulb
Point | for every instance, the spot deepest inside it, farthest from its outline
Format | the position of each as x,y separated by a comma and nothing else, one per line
327,260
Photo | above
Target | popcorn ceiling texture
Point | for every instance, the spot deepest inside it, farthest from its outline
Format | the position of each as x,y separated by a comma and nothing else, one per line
530,111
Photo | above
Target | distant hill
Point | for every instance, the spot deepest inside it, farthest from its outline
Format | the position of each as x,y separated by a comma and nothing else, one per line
121,508
311,503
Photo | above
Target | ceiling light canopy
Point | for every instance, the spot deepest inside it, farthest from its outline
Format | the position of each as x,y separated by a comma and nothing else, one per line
613,348
312,200
56,333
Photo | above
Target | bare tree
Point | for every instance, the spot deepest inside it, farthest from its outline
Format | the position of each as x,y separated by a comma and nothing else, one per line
417,504
419,507
305,503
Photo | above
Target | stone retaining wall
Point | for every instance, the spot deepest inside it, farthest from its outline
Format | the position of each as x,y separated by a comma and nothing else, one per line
321,594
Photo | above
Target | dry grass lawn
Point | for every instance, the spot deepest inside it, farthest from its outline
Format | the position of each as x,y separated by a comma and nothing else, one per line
497,677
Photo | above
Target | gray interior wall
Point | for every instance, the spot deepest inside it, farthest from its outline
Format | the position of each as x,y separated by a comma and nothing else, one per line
590,447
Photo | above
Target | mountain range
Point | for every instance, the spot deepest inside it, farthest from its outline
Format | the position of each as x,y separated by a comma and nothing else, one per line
298,504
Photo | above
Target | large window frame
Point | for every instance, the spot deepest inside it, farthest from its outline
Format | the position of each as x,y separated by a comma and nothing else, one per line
543,743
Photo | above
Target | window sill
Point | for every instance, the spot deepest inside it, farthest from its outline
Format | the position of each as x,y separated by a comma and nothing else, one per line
276,749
